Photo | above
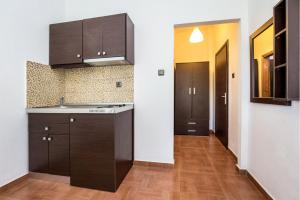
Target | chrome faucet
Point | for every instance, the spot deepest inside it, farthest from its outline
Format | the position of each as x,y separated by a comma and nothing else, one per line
61,101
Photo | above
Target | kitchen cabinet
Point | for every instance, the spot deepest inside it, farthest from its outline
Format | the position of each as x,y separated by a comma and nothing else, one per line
49,143
106,37
101,149
192,98
65,43
110,38
95,150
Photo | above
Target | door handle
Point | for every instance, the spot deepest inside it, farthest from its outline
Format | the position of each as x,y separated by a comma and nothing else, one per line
225,98
190,91
194,91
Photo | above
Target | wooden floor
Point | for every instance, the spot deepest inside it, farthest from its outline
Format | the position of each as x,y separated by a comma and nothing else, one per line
204,169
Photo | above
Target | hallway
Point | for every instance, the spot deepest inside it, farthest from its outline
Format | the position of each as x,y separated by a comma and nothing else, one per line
204,169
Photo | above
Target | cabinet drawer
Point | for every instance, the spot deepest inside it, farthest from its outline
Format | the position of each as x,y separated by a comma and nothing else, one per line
49,123
192,129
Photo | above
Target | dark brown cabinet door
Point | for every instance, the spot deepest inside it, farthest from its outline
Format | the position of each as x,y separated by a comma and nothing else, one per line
92,38
59,158
104,36
114,36
92,151
183,96
199,122
66,43
38,152
49,143
192,98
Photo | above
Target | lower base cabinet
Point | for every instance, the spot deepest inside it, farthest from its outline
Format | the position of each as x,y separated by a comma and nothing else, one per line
49,144
96,150
100,149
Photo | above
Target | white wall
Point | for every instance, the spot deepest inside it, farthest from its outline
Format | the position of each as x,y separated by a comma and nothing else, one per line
274,133
154,21
23,36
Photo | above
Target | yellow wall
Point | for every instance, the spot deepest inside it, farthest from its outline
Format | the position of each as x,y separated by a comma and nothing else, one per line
222,33
263,44
184,51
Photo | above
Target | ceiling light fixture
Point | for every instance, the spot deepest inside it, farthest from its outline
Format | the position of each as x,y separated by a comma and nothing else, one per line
196,36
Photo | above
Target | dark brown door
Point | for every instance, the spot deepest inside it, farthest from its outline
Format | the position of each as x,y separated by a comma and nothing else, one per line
92,38
221,104
66,43
92,151
38,152
183,96
114,35
192,98
59,154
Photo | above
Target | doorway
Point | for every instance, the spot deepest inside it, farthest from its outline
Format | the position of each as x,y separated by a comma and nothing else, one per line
221,98
192,98
217,45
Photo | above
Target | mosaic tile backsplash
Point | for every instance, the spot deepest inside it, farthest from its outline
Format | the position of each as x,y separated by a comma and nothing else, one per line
79,85
44,85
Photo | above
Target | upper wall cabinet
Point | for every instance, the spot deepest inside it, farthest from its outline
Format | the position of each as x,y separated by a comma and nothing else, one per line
105,40
66,43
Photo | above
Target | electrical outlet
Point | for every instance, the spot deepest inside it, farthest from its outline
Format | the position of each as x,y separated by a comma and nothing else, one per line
118,84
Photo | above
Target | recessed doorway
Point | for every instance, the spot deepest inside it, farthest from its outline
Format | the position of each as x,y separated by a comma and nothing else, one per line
206,59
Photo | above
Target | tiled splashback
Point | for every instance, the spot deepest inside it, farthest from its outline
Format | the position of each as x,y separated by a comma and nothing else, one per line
79,85
98,84
44,85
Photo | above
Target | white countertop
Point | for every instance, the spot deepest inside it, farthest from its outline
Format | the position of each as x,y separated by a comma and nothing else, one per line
92,109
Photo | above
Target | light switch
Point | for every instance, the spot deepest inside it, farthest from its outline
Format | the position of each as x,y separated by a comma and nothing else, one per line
161,72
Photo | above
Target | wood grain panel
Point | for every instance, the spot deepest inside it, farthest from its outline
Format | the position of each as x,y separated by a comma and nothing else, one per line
48,123
38,153
92,37
92,151
114,35
123,145
65,43
59,155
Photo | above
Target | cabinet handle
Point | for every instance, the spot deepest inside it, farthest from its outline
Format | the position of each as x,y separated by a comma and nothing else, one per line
194,91
190,91
192,123
44,138
99,53
192,131
72,120
46,128
78,55
49,139
104,53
